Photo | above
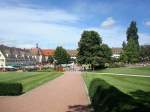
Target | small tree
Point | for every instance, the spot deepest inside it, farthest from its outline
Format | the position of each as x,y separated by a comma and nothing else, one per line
61,56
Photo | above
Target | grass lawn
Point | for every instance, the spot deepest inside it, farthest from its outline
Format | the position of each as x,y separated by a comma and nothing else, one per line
125,70
29,80
137,87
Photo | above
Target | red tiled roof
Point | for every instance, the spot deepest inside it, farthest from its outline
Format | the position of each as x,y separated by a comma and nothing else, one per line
35,51
48,52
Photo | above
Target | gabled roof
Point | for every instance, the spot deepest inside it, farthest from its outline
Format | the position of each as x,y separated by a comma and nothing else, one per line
48,52
12,52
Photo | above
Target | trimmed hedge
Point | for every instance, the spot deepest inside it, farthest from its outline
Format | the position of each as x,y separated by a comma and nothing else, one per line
10,88
106,98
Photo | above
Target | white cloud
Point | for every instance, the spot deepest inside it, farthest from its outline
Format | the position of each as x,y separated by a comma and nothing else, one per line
14,14
108,23
144,38
147,23
113,37
23,27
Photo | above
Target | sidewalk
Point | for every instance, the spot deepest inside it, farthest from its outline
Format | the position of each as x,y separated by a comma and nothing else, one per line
64,94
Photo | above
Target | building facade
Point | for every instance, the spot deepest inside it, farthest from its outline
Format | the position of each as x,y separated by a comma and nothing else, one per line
116,52
16,57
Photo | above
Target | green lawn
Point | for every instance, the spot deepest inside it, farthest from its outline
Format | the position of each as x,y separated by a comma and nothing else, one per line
29,80
125,70
137,87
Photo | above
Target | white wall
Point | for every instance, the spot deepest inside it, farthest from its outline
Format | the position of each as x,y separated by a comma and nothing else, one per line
2,60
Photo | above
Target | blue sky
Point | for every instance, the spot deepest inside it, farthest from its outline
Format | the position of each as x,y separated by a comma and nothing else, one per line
52,23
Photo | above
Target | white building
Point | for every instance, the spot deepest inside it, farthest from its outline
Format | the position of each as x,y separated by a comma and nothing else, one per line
10,56
2,60
116,52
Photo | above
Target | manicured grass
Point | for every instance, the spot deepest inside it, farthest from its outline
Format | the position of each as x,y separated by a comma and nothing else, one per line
136,87
29,80
124,83
126,70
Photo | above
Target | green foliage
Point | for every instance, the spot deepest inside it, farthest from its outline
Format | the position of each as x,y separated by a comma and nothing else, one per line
28,80
107,53
132,32
145,53
10,88
107,98
131,50
116,65
91,50
50,59
61,56
48,69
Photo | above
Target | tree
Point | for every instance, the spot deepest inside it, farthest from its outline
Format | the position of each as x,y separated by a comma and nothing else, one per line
50,59
91,50
131,50
61,56
145,53
107,53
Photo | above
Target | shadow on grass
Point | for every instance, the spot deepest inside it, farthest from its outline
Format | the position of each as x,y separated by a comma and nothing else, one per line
142,97
80,108
107,98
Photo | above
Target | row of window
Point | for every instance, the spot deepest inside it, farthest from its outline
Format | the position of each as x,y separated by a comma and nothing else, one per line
22,56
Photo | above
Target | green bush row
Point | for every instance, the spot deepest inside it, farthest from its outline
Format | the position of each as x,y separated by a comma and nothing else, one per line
10,88
106,98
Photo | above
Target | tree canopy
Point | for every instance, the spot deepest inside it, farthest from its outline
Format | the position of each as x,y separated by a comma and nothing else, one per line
91,50
131,49
145,53
50,59
61,56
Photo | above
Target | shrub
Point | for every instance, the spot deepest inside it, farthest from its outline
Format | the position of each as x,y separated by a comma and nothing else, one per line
11,88
116,65
106,98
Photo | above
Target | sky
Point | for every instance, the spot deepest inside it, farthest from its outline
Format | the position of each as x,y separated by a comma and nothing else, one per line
52,23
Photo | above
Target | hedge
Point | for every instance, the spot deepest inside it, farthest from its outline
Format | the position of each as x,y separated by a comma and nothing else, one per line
107,98
10,88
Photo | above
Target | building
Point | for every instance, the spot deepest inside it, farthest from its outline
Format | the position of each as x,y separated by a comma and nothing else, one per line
16,57
116,52
72,53
47,53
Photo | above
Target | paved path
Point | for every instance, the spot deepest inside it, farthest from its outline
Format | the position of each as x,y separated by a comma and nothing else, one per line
64,94
130,75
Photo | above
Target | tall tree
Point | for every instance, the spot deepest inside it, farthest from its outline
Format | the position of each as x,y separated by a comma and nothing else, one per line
61,56
91,51
131,50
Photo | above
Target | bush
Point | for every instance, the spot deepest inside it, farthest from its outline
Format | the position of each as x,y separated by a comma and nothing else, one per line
106,98
116,65
11,88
